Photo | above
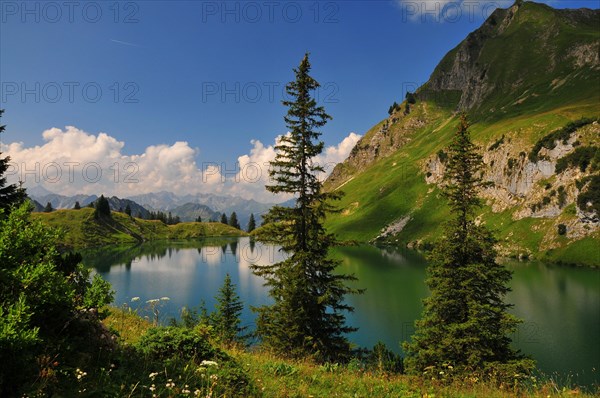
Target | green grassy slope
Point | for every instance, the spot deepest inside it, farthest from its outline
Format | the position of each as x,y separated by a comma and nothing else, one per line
82,230
536,88
394,187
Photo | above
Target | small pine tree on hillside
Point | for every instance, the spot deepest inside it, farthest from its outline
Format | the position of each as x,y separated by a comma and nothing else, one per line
77,206
251,223
226,319
233,221
198,219
128,210
48,208
224,219
465,323
91,205
10,195
102,208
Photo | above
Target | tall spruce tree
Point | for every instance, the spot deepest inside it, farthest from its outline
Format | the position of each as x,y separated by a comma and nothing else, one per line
307,315
251,223
10,195
465,325
233,220
227,319
224,219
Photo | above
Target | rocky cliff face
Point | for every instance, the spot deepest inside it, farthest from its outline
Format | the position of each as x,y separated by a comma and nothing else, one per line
534,189
528,70
469,78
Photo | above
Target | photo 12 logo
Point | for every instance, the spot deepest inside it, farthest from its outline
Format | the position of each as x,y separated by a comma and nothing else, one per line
254,92
71,92
326,12
449,11
70,172
126,12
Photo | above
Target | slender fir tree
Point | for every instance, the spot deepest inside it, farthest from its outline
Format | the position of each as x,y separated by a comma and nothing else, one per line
224,219
77,206
12,194
233,221
229,309
465,324
128,210
307,316
251,223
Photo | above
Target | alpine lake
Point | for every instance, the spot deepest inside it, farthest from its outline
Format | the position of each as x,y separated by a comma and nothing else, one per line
559,305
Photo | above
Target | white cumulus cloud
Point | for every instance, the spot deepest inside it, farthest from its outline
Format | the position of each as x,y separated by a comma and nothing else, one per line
72,161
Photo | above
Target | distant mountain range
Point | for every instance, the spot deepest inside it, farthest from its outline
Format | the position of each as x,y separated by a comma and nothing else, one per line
186,207
183,205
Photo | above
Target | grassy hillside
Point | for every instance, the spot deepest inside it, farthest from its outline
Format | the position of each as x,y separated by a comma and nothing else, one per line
271,376
395,187
82,230
524,74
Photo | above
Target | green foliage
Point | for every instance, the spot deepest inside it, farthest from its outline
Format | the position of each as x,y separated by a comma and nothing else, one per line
307,314
282,369
384,360
562,196
251,224
46,298
497,144
562,229
102,208
588,199
581,157
224,219
233,220
175,342
443,156
465,323
77,206
410,98
563,134
10,195
48,208
227,319
128,210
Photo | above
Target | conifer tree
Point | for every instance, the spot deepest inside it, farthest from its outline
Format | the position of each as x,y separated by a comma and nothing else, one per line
227,319
10,195
233,221
48,208
77,206
128,210
224,219
307,315
199,219
465,323
251,223
102,208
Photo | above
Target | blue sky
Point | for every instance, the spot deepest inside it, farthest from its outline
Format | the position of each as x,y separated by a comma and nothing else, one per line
212,73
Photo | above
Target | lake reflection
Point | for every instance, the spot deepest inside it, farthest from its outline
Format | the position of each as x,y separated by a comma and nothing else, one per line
560,305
